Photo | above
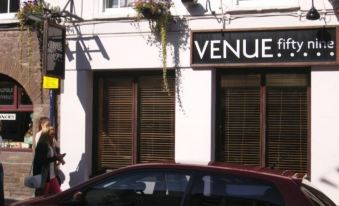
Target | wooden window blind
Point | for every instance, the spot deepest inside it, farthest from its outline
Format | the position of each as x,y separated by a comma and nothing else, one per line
156,120
116,120
287,122
135,120
241,127
265,120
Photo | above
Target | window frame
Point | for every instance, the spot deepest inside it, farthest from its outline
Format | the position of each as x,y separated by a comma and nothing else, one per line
16,106
121,12
136,124
263,111
9,15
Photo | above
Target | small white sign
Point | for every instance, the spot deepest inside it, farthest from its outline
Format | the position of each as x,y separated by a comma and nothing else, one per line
7,116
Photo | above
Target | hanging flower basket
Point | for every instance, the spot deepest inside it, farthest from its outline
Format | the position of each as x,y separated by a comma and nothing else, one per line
152,9
34,8
159,15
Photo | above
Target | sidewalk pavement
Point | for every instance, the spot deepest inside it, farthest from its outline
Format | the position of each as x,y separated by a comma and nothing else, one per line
9,201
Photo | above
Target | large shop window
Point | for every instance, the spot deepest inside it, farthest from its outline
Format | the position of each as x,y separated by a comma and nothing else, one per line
264,119
135,120
15,115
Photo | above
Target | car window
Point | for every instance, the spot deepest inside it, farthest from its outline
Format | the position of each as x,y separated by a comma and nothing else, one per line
139,189
315,196
224,190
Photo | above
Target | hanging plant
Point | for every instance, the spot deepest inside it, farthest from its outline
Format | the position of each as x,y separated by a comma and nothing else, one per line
34,8
159,15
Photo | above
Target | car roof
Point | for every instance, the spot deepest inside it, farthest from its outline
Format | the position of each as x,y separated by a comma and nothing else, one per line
277,176
226,167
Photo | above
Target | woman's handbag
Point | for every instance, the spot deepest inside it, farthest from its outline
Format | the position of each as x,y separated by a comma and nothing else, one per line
61,176
33,181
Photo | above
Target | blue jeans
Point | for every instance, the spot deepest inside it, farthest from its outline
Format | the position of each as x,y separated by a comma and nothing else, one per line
2,198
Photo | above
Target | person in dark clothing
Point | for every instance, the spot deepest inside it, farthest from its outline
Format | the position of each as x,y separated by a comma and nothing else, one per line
45,163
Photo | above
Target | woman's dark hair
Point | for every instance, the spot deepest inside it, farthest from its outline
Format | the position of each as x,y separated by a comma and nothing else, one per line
46,138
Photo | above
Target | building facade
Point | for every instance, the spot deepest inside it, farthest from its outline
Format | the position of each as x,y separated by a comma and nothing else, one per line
249,82
22,102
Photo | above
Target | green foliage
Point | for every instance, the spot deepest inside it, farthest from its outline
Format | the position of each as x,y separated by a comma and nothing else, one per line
30,7
159,15
35,8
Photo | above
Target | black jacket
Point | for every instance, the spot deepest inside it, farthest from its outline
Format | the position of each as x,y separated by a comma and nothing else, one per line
41,161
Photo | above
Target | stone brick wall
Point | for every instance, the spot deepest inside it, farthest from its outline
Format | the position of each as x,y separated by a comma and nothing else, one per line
16,167
20,60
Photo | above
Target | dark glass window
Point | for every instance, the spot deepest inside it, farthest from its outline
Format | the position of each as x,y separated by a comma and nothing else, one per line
14,125
6,93
3,6
158,188
223,190
14,6
13,96
24,98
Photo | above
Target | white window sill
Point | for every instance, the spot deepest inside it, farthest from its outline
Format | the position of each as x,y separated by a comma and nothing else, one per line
8,18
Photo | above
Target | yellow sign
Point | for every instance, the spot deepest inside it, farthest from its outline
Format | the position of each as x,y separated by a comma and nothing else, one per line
50,83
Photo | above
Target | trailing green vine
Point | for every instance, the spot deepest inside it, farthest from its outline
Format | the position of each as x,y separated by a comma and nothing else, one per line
159,16
27,8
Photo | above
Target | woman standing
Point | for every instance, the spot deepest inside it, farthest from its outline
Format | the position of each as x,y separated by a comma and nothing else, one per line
45,163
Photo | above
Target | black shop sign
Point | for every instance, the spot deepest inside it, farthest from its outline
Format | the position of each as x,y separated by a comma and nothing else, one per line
54,50
222,48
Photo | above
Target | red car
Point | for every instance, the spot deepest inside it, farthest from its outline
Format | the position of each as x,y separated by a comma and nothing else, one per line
170,184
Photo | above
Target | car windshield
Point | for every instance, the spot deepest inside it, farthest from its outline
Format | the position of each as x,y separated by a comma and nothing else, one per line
315,196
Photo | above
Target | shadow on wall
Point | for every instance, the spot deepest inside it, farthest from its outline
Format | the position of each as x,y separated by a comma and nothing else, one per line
78,176
83,54
83,51
331,179
328,183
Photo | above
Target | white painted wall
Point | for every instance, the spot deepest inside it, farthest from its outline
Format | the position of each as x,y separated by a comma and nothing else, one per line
325,131
76,126
194,122
113,44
